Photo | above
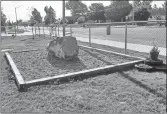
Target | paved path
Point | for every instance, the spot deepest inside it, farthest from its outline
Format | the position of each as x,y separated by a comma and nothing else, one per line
130,46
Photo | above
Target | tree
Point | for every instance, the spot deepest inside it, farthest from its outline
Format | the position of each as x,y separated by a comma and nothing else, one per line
164,5
97,12
77,9
36,16
142,14
95,7
155,6
19,21
81,19
118,10
140,4
142,9
9,23
3,20
50,15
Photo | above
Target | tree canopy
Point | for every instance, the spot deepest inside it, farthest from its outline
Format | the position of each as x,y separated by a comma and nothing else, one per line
140,4
118,10
77,8
50,15
142,14
97,12
36,16
3,18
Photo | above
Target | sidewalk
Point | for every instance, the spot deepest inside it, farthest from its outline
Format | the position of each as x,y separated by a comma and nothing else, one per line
130,46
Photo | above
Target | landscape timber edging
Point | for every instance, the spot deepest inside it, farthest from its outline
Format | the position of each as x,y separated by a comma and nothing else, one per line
85,72
19,79
112,52
6,50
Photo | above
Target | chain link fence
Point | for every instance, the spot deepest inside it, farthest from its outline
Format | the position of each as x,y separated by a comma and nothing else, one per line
138,36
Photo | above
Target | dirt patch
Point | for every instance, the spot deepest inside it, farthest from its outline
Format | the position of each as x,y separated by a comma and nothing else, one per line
38,64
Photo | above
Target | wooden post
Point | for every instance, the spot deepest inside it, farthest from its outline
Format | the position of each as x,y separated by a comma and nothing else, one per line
55,30
39,30
15,31
125,38
70,30
58,29
89,36
32,32
35,30
50,32
43,31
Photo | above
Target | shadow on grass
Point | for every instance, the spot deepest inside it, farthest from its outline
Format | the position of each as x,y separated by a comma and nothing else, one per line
144,86
74,64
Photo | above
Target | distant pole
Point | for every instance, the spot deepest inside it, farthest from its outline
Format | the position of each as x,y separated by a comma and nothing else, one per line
16,15
63,17
126,37
133,10
16,19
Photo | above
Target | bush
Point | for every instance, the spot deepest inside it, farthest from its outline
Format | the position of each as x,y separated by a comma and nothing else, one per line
81,20
142,15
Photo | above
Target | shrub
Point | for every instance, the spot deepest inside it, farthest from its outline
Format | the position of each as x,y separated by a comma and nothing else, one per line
154,52
81,20
142,15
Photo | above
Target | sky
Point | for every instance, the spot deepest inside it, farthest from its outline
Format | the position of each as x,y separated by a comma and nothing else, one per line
25,8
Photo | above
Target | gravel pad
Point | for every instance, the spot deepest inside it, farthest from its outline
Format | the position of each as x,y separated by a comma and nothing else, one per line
38,64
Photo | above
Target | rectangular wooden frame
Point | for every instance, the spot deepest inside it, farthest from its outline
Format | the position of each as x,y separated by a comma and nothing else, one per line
21,84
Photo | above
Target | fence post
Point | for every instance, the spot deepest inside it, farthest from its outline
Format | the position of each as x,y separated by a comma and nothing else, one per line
32,32
58,29
39,30
89,36
35,30
71,30
15,30
50,32
43,31
55,30
126,38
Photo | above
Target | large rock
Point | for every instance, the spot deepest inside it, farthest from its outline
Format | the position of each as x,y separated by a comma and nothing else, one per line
64,47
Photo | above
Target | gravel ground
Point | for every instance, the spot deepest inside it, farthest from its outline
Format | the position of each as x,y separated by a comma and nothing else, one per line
38,64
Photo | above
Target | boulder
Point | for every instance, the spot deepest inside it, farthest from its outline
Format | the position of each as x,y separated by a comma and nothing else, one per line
64,47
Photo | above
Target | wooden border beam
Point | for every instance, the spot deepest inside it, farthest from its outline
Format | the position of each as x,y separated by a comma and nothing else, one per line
19,79
95,71
6,50
112,52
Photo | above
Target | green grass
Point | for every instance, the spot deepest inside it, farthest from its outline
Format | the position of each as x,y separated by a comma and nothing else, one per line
137,35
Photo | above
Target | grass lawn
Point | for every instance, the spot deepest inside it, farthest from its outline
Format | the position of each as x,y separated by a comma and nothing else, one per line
137,35
124,91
